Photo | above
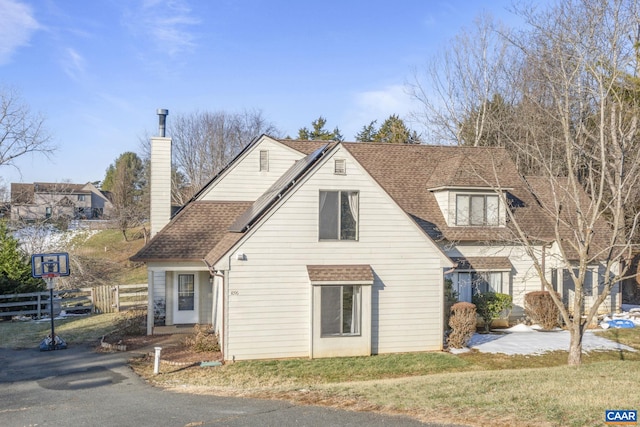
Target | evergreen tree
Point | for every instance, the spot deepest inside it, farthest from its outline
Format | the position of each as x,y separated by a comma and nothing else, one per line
368,133
15,266
393,130
319,132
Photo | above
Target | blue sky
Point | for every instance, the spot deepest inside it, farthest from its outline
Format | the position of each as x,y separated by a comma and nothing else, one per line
99,69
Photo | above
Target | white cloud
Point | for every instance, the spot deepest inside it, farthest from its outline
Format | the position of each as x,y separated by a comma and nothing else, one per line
377,105
17,24
167,23
73,64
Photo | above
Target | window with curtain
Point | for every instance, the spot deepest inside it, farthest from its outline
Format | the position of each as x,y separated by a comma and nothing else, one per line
338,215
340,310
485,281
477,210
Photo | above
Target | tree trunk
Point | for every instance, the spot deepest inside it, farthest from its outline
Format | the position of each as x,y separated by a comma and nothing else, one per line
575,345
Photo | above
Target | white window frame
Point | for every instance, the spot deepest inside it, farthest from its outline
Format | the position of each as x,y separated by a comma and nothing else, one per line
264,161
324,226
353,313
191,293
467,216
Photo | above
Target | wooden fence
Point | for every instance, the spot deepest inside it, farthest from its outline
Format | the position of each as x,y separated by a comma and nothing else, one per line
99,299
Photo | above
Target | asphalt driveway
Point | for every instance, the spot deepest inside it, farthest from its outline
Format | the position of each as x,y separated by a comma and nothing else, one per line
78,387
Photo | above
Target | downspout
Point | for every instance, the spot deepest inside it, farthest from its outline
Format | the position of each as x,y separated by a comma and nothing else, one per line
214,273
543,265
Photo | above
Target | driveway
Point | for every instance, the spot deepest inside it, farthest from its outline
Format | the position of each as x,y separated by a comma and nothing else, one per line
78,387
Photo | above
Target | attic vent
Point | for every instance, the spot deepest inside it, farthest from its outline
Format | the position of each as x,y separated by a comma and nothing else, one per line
340,167
264,161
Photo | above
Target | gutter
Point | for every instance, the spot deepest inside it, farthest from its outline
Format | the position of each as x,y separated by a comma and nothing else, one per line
215,273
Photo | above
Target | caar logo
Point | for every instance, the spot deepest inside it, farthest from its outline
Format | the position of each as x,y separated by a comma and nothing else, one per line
620,417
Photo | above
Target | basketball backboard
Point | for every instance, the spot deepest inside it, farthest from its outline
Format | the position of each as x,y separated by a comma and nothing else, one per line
50,265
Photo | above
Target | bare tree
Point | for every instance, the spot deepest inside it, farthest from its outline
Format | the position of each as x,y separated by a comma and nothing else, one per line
21,131
204,142
459,83
573,76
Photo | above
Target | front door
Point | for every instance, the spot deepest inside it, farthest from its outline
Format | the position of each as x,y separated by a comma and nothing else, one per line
185,308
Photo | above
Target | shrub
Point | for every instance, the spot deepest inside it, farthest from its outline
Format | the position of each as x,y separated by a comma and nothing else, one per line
202,340
463,324
490,305
450,298
539,306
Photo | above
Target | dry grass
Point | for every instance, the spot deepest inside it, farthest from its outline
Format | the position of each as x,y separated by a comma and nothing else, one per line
73,330
559,396
472,389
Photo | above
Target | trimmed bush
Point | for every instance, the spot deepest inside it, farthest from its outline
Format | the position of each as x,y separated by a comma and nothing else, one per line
541,309
463,324
202,340
490,305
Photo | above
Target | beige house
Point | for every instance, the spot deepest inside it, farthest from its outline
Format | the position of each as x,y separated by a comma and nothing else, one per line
316,249
42,200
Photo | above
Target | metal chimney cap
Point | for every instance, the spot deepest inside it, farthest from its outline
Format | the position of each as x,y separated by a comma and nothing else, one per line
162,112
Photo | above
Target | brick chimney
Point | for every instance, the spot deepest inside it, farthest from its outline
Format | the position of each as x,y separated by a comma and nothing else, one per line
160,211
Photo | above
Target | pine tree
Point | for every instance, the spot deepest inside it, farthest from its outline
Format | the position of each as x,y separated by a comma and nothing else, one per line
15,266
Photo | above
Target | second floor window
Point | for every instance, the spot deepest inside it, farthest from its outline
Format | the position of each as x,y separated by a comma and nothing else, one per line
81,197
477,210
339,215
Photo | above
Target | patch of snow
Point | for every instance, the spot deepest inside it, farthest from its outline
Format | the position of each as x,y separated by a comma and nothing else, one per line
523,342
44,239
520,327
459,350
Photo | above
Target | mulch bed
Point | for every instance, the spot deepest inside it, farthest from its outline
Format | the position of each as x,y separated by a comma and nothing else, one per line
175,354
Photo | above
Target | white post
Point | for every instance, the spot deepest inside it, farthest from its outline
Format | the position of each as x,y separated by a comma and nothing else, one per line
156,361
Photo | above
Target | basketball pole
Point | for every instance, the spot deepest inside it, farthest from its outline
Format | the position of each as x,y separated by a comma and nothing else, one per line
50,286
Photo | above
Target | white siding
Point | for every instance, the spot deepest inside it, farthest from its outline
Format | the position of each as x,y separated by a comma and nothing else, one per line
269,311
524,277
160,183
244,181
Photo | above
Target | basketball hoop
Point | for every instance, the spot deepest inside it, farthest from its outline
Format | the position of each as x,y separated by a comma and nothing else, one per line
49,275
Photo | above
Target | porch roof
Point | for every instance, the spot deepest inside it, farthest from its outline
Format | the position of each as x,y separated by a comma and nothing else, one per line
482,263
360,273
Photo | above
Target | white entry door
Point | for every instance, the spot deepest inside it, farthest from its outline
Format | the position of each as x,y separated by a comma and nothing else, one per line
185,296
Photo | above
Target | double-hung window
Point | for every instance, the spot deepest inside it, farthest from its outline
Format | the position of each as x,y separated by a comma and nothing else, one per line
338,215
340,310
477,210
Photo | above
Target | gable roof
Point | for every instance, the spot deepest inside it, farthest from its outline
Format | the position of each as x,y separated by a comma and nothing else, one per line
409,173
193,232
276,190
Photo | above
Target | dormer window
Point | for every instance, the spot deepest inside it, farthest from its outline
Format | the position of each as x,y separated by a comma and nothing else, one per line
477,210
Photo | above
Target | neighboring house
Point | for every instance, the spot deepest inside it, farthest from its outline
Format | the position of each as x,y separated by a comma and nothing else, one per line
41,200
315,249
